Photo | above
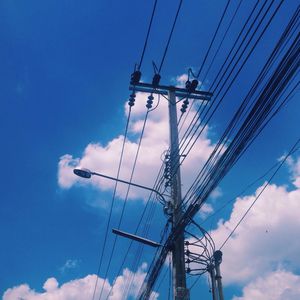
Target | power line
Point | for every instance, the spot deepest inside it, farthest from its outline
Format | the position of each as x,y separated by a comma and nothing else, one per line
253,183
112,202
213,39
260,193
125,201
257,118
170,36
221,141
147,35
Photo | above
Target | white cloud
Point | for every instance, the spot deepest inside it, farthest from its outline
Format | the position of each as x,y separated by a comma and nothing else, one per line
105,158
80,289
278,285
50,285
69,264
268,238
182,79
294,165
205,210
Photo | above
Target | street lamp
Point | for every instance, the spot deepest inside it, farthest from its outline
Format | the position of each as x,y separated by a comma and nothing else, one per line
86,173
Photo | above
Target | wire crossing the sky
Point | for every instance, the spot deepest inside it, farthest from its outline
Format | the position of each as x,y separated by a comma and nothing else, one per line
292,150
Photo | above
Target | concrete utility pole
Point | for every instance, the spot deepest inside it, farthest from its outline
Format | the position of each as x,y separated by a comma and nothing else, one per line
180,290
179,277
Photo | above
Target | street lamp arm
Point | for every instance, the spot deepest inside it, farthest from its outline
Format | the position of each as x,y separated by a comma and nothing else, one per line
163,201
85,173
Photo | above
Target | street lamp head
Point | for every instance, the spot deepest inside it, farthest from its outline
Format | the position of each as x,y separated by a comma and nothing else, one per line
84,173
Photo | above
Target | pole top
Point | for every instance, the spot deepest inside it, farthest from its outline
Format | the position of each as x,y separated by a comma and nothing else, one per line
218,256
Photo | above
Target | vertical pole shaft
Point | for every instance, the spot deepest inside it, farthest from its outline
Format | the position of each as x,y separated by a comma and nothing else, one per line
213,281
219,282
178,267
218,259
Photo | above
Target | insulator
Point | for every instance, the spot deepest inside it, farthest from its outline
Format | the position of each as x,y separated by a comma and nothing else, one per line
194,85
183,108
188,85
188,270
186,101
135,77
187,243
156,80
150,101
131,99
150,98
188,261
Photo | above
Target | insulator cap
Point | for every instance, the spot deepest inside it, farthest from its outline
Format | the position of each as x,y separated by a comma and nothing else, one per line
218,256
135,77
156,80
194,85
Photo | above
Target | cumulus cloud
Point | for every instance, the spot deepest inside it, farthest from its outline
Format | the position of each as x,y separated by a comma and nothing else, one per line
81,289
50,285
104,158
267,239
278,285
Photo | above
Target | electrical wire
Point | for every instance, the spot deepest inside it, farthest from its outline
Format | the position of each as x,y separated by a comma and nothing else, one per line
200,125
198,114
112,203
258,116
170,36
221,140
147,205
143,213
207,72
240,194
260,193
147,35
125,201
213,39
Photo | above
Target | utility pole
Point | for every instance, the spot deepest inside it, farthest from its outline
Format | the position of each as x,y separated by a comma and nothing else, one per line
179,277
180,290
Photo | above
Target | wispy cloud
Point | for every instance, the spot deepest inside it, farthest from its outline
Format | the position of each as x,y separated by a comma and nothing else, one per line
69,264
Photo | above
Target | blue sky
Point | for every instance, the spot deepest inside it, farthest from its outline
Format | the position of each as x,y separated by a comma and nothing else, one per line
65,69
